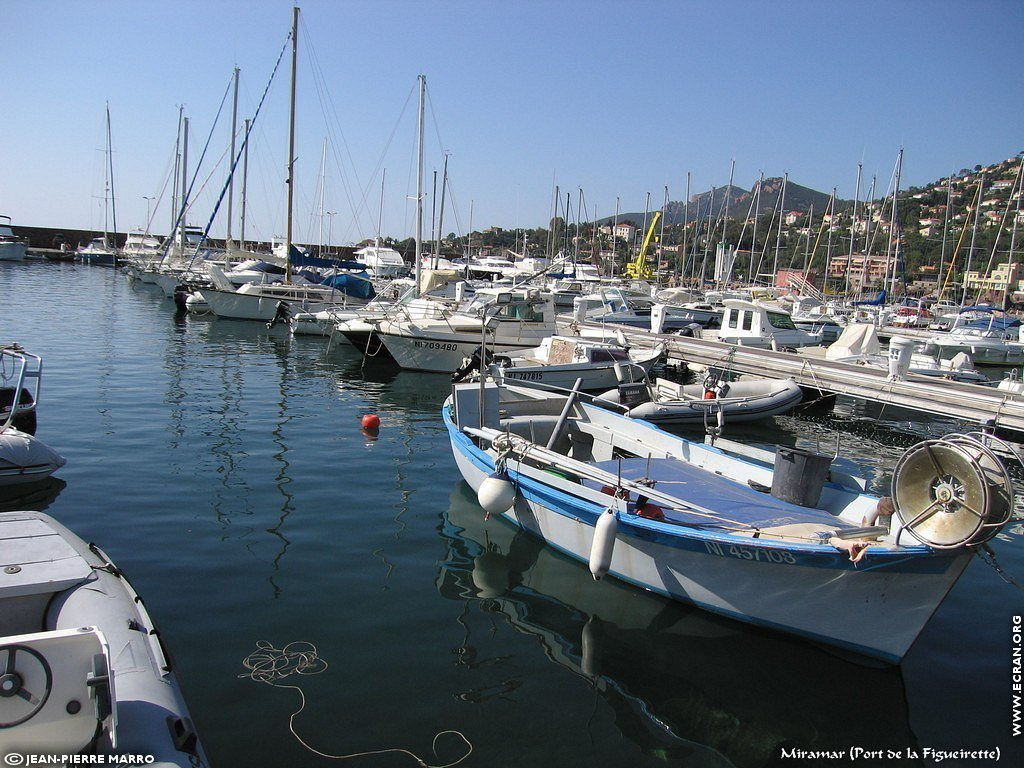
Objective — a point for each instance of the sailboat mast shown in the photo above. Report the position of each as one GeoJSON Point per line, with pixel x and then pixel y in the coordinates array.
{"type": "Point", "coordinates": [615, 235]}
{"type": "Point", "coordinates": [853, 230]}
{"type": "Point", "coordinates": [291, 148]}
{"type": "Point", "coordinates": [945, 229]}
{"type": "Point", "coordinates": [661, 233]}
{"type": "Point", "coordinates": [231, 180]}
{"type": "Point", "coordinates": [778, 234]}
{"type": "Point", "coordinates": [419, 185]}
{"type": "Point", "coordinates": [110, 171]}
{"type": "Point", "coordinates": [245, 184]}
{"type": "Point", "coordinates": [323, 184]}
{"type": "Point", "coordinates": [184, 188]}
{"type": "Point", "coordinates": [893, 249]}
{"type": "Point", "coordinates": [174, 176]}
{"type": "Point", "coordinates": [440, 212]}
{"type": "Point", "coordinates": [751, 274]}
{"type": "Point", "coordinates": [686, 226]}
{"type": "Point", "coordinates": [380, 208]}
{"type": "Point", "coordinates": [974, 236]}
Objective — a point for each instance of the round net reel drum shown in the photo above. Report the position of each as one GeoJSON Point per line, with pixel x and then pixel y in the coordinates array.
{"type": "Point", "coordinates": [952, 491]}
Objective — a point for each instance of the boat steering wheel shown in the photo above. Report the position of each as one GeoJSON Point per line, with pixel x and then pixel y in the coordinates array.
{"type": "Point", "coordinates": [25, 684]}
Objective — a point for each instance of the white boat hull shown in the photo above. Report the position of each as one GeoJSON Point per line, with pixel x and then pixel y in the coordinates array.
{"type": "Point", "coordinates": [875, 607]}
{"type": "Point", "coordinates": [242, 306]}
{"type": "Point", "coordinates": [12, 251]}
{"type": "Point", "coordinates": [25, 458]}
{"type": "Point", "coordinates": [446, 353]}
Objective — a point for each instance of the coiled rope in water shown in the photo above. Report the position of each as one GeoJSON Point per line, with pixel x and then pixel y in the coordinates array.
{"type": "Point", "coordinates": [270, 665]}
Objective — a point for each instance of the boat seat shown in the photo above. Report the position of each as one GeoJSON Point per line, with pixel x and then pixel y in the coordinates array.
{"type": "Point", "coordinates": [55, 688]}
{"type": "Point", "coordinates": [35, 559]}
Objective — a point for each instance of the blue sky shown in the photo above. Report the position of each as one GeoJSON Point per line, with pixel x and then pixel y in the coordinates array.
{"type": "Point", "coordinates": [619, 99]}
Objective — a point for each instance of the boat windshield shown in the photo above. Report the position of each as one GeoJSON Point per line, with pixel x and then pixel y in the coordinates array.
{"type": "Point", "coordinates": [781, 320]}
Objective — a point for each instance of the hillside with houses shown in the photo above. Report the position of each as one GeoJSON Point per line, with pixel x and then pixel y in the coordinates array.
{"type": "Point", "coordinates": [959, 234]}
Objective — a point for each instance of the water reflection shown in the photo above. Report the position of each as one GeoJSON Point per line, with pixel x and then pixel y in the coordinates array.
{"type": "Point", "coordinates": [35, 496]}
{"type": "Point", "coordinates": [682, 684]}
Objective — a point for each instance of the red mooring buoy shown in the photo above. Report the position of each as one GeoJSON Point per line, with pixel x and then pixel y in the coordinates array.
{"type": "Point", "coordinates": [371, 421]}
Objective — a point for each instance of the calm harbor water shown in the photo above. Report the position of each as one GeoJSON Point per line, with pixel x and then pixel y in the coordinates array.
{"type": "Point", "coordinates": [223, 467]}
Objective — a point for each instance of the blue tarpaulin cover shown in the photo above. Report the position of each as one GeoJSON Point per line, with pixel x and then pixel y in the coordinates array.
{"type": "Point", "coordinates": [702, 488]}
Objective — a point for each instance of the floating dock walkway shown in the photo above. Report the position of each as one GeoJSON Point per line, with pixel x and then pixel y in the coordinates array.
{"type": "Point", "coordinates": [980, 405]}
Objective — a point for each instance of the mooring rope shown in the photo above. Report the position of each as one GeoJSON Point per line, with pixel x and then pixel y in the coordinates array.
{"type": "Point", "coordinates": [270, 665]}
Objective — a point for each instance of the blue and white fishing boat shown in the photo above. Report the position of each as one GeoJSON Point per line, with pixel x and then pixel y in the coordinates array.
{"type": "Point", "coordinates": [779, 540]}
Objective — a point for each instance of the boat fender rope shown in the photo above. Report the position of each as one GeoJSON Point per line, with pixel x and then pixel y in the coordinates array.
{"type": "Point", "coordinates": [270, 665]}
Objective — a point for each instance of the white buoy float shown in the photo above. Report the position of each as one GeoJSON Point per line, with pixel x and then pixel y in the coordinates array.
{"type": "Point", "coordinates": [496, 493]}
{"type": "Point", "coordinates": [604, 542]}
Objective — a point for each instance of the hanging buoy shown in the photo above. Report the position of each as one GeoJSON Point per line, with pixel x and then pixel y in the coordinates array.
{"type": "Point", "coordinates": [371, 421]}
{"type": "Point", "coordinates": [709, 394]}
{"type": "Point", "coordinates": [604, 542]}
{"type": "Point", "coordinates": [496, 493]}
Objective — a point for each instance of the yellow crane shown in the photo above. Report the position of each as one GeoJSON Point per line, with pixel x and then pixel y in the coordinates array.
{"type": "Point", "coordinates": [638, 269]}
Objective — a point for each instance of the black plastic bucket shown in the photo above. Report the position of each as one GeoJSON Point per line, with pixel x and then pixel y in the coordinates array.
{"type": "Point", "coordinates": [799, 475]}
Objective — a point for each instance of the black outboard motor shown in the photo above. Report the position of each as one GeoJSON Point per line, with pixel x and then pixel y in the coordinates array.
{"type": "Point", "coordinates": [283, 314]}
{"type": "Point", "coordinates": [472, 364]}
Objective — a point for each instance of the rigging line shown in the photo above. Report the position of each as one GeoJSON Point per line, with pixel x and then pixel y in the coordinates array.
{"type": "Point", "coordinates": [356, 193]}
{"type": "Point", "coordinates": [380, 161]}
{"type": "Point", "coordinates": [1002, 223]}
{"type": "Point", "coordinates": [241, 149]}
{"type": "Point", "coordinates": [956, 250]}
{"type": "Point", "coordinates": [387, 146]}
{"type": "Point", "coordinates": [334, 131]}
{"type": "Point", "coordinates": [187, 195]}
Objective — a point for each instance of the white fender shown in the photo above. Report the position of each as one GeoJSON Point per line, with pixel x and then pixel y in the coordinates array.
{"type": "Point", "coordinates": [496, 494]}
{"type": "Point", "coordinates": [604, 542]}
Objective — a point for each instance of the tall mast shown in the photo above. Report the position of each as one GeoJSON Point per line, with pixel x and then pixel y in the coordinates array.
{"type": "Point", "coordinates": [725, 203]}
{"type": "Point", "coordinates": [245, 183]}
{"type": "Point", "coordinates": [440, 212]}
{"type": "Point", "coordinates": [184, 188]}
{"type": "Point", "coordinates": [661, 234]}
{"type": "Point", "coordinates": [323, 184]}
{"type": "Point", "coordinates": [291, 149]}
{"type": "Point", "coordinates": [177, 164]}
{"type": "Point", "coordinates": [778, 236]}
{"type": "Point", "coordinates": [110, 170]}
{"type": "Point", "coordinates": [231, 180]}
{"type": "Point", "coordinates": [751, 274]}
{"type": "Point", "coordinates": [893, 233]}
{"type": "Point", "coordinates": [686, 224]}
{"type": "Point", "coordinates": [380, 209]}
{"type": "Point", "coordinates": [419, 184]}
{"type": "Point", "coordinates": [945, 228]}
{"type": "Point", "coordinates": [853, 230]}
{"type": "Point", "coordinates": [615, 229]}
{"type": "Point", "coordinates": [974, 234]}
